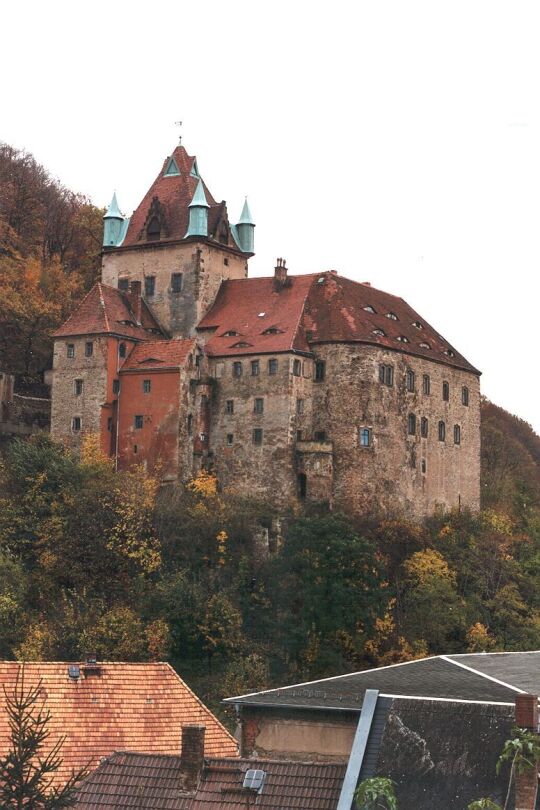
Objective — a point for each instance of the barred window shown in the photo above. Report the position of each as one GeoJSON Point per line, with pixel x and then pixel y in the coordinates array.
{"type": "Point", "coordinates": [147, 386]}
{"type": "Point", "coordinates": [138, 422]}
{"type": "Point", "coordinates": [78, 387]}
{"type": "Point", "coordinates": [229, 407]}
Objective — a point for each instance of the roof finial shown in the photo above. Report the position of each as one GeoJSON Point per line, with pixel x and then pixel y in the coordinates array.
{"type": "Point", "coordinates": [179, 124]}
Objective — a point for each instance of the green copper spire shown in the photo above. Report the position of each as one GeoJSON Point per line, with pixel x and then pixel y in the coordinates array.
{"type": "Point", "coordinates": [198, 213]}
{"type": "Point", "coordinates": [114, 210]}
{"type": "Point", "coordinates": [245, 229]}
{"type": "Point", "coordinates": [114, 225]}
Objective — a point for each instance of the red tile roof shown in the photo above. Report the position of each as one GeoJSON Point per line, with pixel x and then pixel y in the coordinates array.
{"type": "Point", "coordinates": [127, 707]}
{"type": "Point", "coordinates": [159, 354]}
{"type": "Point", "coordinates": [105, 310]}
{"type": "Point", "coordinates": [174, 193]}
{"type": "Point", "coordinates": [142, 780]}
{"type": "Point", "coordinates": [318, 308]}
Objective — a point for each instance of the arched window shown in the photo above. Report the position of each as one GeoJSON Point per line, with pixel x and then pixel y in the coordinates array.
{"type": "Point", "coordinates": [410, 379]}
{"type": "Point", "coordinates": [153, 231]}
{"type": "Point", "coordinates": [412, 424]}
{"type": "Point", "coordinates": [457, 434]}
{"type": "Point", "coordinates": [442, 431]}
{"type": "Point", "coordinates": [424, 427]}
{"type": "Point", "coordinates": [445, 391]}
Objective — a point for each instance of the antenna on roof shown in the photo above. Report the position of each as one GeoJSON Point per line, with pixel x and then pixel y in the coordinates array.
{"type": "Point", "coordinates": [179, 124]}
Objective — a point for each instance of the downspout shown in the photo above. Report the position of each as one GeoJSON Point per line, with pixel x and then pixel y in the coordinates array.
{"type": "Point", "coordinates": [358, 750]}
{"type": "Point", "coordinates": [117, 409]}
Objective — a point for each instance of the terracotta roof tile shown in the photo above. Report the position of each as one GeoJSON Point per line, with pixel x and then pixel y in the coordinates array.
{"type": "Point", "coordinates": [136, 780]}
{"type": "Point", "coordinates": [126, 707]}
{"type": "Point", "coordinates": [105, 310]}
{"type": "Point", "coordinates": [159, 354]}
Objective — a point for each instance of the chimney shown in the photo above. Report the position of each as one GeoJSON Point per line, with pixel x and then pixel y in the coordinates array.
{"type": "Point", "coordinates": [280, 274]}
{"type": "Point", "coordinates": [527, 782]}
{"type": "Point", "coordinates": [192, 755]}
{"type": "Point", "coordinates": [134, 298]}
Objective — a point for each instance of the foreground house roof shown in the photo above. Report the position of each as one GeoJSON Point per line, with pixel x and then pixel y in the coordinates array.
{"type": "Point", "coordinates": [106, 311]}
{"type": "Point", "coordinates": [261, 315]}
{"type": "Point", "coordinates": [114, 706]}
{"type": "Point", "coordinates": [477, 678]}
{"type": "Point", "coordinates": [144, 780]}
{"type": "Point", "coordinates": [159, 355]}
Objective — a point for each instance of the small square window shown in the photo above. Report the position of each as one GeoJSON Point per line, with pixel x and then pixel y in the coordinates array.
{"type": "Point", "coordinates": [71, 350]}
{"type": "Point", "coordinates": [123, 284]}
{"type": "Point", "coordinates": [257, 436]}
{"type": "Point", "coordinates": [147, 386]}
{"type": "Point", "coordinates": [365, 437]}
{"type": "Point", "coordinates": [255, 368]}
{"type": "Point", "coordinates": [299, 406]}
{"type": "Point", "coordinates": [445, 391]}
{"type": "Point", "coordinates": [297, 368]}
{"type": "Point", "coordinates": [88, 349]}
{"type": "Point", "coordinates": [78, 387]}
{"type": "Point", "coordinates": [138, 422]}
{"type": "Point", "coordinates": [230, 439]}
{"type": "Point", "coordinates": [272, 366]}
{"type": "Point", "coordinates": [237, 369]}
{"type": "Point", "coordinates": [229, 406]}
{"type": "Point", "coordinates": [76, 424]}
{"type": "Point", "coordinates": [177, 280]}
{"type": "Point", "coordinates": [258, 405]}
{"type": "Point", "coordinates": [319, 370]}
{"type": "Point", "coordinates": [116, 387]}
{"type": "Point", "coordinates": [149, 285]}
{"type": "Point", "coordinates": [319, 436]}
{"type": "Point", "coordinates": [426, 384]}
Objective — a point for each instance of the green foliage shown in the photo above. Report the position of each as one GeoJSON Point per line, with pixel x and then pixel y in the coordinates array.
{"type": "Point", "coordinates": [26, 771]}
{"type": "Point", "coordinates": [483, 804]}
{"type": "Point", "coordinates": [522, 750]}
{"type": "Point", "coordinates": [376, 793]}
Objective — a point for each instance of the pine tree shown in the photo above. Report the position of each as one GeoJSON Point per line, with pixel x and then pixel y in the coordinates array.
{"type": "Point", "coordinates": [26, 773]}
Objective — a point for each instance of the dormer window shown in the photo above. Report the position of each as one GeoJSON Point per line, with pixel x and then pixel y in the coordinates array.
{"type": "Point", "coordinates": [153, 231]}
{"type": "Point", "coordinates": [402, 339]}
{"type": "Point", "coordinates": [230, 333]}
{"type": "Point", "coordinates": [241, 345]}
{"type": "Point", "coordinates": [418, 325]}
{"type": "Point", "coordinates": [379, 332]}
{"type": "Point", "coordinates": [392, 316]}
{"type": "Point", "coordinates": [450, 353]}
{"type": "Point", "coordinates": [370, 309]}
{"type": "Point", "coordinates": [425, 346]}
{"type": "Point", "coordinates": [273, 330]}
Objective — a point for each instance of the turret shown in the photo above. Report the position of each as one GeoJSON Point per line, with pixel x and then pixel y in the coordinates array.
{"type": "Point", "coordinates": [114, 225]}
{"type": "Point", "coordinates": [198, 213]}
{"type": "Point", "coordinates": [246, 230]}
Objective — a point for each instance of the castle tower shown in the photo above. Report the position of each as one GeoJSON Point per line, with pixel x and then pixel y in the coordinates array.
{"type": "Point", "coordinates": [178, 244]}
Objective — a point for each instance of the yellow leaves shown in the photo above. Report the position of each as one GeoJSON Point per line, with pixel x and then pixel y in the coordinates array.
{"type": "Point", "coordinates": [205, 484]}
{"type": "Point", "coordinates": [91, 452]}
{"type": "Point", "coordinates": [425, 566]}
{"type": "Point", "coordinates": [158, 639]}
{"type": "Point", "coordinates": [479, 639]}
{"type": "Point", "coordinates": [38, 645]}
{"type": "Point", "coordinates": [221, 540]}
{"type": "Point", "coordinates": [498, 522]}
{"type": "Point", "coordinates": [132, 533]}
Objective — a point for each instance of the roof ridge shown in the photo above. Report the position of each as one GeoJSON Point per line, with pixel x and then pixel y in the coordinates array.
{"type": "Point", "coordinates": [102, 302]}
{"type": "Point", "coordinates": [483, 674]}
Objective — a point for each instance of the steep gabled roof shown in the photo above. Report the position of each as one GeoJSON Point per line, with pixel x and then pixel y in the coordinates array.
{"type": "Point", "coordinates": [125, 706]}
{"type": "Point", "coordinates": [174, 193]}
{"type": "Point", "coordinates": [159, 355]}
{"type": "Point", "coordinates": [106, 311]}
{"type": "Point", "coordinates": [143, 780]}
{"type": "Point", "coordinates": [482, 678]}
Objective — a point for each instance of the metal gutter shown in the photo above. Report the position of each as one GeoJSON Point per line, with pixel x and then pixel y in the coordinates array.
{"type": "Point", "coordinates": [358, 750]}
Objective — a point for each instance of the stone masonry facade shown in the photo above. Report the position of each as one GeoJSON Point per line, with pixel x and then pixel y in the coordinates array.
{"type": "Point", "coordinates": [297, 389]}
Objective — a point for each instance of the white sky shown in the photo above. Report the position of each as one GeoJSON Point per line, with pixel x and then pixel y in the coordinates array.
{"type": "Point", "coordinates": [397, 142]}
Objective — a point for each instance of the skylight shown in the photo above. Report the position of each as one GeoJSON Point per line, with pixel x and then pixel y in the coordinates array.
{"type": "Point", "coordinates": [254, 780]}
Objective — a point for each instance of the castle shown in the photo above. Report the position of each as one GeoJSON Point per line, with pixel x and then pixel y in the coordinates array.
{"type": "Point", "coordinates": [310, 387]}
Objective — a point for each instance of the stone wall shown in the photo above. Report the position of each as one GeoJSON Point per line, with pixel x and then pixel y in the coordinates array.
{"type": "Point", "coordinates": [22, 414]}
{"type": "Point", "coordinates": [203, 267]}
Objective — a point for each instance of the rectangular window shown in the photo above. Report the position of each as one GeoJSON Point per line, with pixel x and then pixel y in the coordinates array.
{"type": "Point", "coordinates": [71, 350]}
{"type": "Point", "coordinates": [176, 282]}
{"type": "Point", "coordinates": [76, 424]}
{"type": "Point", "coordinates": [230, 439]}
{"type": "Point", "coordinates": [255, 368]}
{"type": "Point", "coordinates": [272, 366]}
{"type": "Point", "coordinates": [258, 405]}
{"type": "Point", "coordinates": [442, 431]}
{"type": "Point", "coordinates": [445, 391]}
{"type": "Point", "coordinates": [138, 422]}
{"type": "Point", "coordinates": [297, 368]}
{"type": "Point", "coordinates": [424, 465]}
{"type": "Point", "coordinates": [109, 423]}
{"type": "Point", "coordinates": [410, 379]}
{"type": "Point", "coordinates": [116, 386]}
{"type": "Point", "coordinates": [319, 436]}
{"type": "Point", "coordinates": [88, 349]}
{"type": "Point", "coordinates": [424, 426]}
{"type": "Point", "coordinates": [135, 448]}
{"type": "Point", "coordinates": [386, 375]}
{"type": "Point", "coordinates": [149, 285]}
{"type": "Point", "coordinates": [426, 384]}
{"type": "Point", "coordinates": [457, 434]}
{"type": "Point", "coordinates": [411, 424]}
{"type": "Point", "coordinates": [123, 284]}
{"type": "Point", "coordinates": [78, 387]}
{"type": "Point", "coordinates": [146, 386]}
{"type": "Point", "coordinates": [365, 437]}
{"type": "Point", "coordinates": [464, 395]}
{"type": "Point", "coordinates": [298, 435]}
{"type": "Point", "coordinates": [319, 370]}
{"type": "Point", "coordinates": [237, 369]}
{"type": "Point", "coordinates": [257, 436]}
{"type": "Point", "coordinates": [229, 406]}
{"type": "Point", "coordinates": [299, 406]}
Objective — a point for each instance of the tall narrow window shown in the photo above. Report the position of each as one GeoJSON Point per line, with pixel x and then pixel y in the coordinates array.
{"type": "Point", "coordinates": [426, 384]}
{"type": "Point", "coordinates": [138, 422]}
{"type": "Point", "coordinates": [258, 405]}
{"type": "Point", "coordinates": [230, 439]}
{"type": "Point", "coordinates": [299, 406]}
{"type": "Point", "coordinates": [272, 366]}
{"type": "Point", "coordinates": [365, 437]}
{"type": "Point", "coordinates": [78, 387]}
{"type": "Point", "coordinates": [319, 370]}
{"type": "Point", "coordinates": [442, 431]}
{"type": "Point", "coordinates": [121, 350]}
{"type": "Point", "coordinates": [70, 351]}
{"type": "Point", "coordinates": [190, 424]}
{"type": "Point", "coordinates": [237, 369]}
{"type": "Point", "coordinates": [424, 465]}
{"type": "Point", "coordinates": [88, 349]}
{"type": "Point", "coordinates": [297, 368]}
{"type": "Point", "coordinates": [424, 427]}
{"type": "Point", "coordinates": [229, 407]}
{"type": "Point", "coordinates": [255, 368]}
{"type": "Point", "coordinates": [411, 424]}
{"type": "Point", "coordinates": [146, 386]}
{"type": "Point", "coordinates": [409, 379]}
{"type": "Point", "coordinates": [257, 436]}
{"type": "Point", "coordinates": [153, 230]}
{"type": "Point", "coordinates": [445, 391]}
{"type": "Point", "coordinates": [76, 424]}
{"type": "Point", "coordinates": [149, 285]}
{"type": "Point", "coordinates": [465, 395]}
{"type": "Point", "coordinates": [176, 282]}
{"type": "Point", "coordinates": [116, 386]}
{"type": "Point", "coordinates": [457, 434]}
{"type": "Point", "coordinates": [302, 485]}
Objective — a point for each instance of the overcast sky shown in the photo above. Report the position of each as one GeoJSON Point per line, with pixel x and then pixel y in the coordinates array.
{"type": "Point", "coordinates": [397, 142]}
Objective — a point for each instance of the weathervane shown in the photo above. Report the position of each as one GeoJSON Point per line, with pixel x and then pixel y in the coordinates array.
{"type": "Point", "coordinates": [179, 124]}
